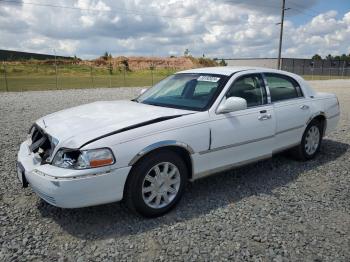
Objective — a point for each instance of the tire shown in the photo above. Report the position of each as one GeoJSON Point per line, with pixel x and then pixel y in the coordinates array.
{"type": "Point", "coordinates": [310, 142]}
{"type": "Point", "coordinates": [156, 183]}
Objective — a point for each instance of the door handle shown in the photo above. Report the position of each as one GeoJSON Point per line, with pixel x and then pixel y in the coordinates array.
{"type": "Point", "coordinates": [265, 117]}
{"type": "Point", "coordinates": [304, 107]}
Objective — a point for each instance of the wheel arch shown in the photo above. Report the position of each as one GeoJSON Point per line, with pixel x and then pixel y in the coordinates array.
{"type": "Point", "coordinates": [321, 117]}
{"type": "Point", "coordinates": [182, 149]}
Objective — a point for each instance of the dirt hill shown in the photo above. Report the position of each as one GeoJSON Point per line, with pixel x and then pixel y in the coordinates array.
{"type": "Point", "coordinates": [135, 63]}
{"type": "Point", "coordinates": [132, 63]}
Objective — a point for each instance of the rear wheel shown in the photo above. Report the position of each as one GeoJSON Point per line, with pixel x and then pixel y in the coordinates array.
{"type": "Point", "coordinates": [311, 142]}
{"type": "Point", "coordinates": [156, 183]}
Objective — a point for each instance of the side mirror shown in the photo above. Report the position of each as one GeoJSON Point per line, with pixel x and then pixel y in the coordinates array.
{"type": "Point", "coordinates": [232, 104]}
{"type": "Point", "coordinates": [142, 91]}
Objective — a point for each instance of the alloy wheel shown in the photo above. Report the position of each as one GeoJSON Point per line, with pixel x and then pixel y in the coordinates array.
{"type": "Point", "coordinates": [312, 140]}
{"type": "Point", "coordinates": [161, 185]}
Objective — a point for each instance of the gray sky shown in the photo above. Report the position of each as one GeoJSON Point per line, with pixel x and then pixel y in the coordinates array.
{"type": "Point", "coordinates": [231, 28]}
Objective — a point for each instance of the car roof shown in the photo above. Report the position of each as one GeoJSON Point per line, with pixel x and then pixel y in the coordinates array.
{"type": "Point", "coordinates": [228, 70]}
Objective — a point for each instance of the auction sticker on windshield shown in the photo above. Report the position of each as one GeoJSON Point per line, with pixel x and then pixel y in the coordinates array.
{"type": "Point", "coordinates": [208, 78]}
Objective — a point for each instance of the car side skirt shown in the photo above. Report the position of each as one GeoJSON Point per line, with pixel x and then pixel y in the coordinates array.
{"type": "Point", "coordinates": [230, 166]}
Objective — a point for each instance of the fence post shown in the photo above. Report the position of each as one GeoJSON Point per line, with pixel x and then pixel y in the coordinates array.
{"type": "Point", "coordinates": [342, 74]}
{"type": "Point", "coordinates": [152, 67]}
{"type": "Point", "coordinates": [110, 80]}
{"type": "Point", "coordinates": [92, 77]}
{"type": "Point", "coordinates": [56, 75]}
{"type": "Point", "coordinates": [152, 77]}
{"type": "Point", "coordinates": [110, 69]}
{"type": "Point", "coordinates": [5, 75]}
{"type": "Point", "coordinates": [124, 75]}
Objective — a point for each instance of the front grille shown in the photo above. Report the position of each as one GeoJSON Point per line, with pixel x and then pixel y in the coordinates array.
{"type": "Point", "coordinates": [41, 143]}
{"type": "Point", "coordinates": [49, 199]}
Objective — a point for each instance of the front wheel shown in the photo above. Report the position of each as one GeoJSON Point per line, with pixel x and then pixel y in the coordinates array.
{"type": "Point", "coordinates": [156, 183]}
{"type": "Point", "coordinates": [310, 142]}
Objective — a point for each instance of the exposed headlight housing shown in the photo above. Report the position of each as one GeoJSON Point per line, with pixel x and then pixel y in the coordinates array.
{"type": "Point", "coordinates": [82, 159]}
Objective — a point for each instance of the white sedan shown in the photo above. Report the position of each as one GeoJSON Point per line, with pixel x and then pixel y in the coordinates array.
{"type": "Point", "coordinates": [192, 124]}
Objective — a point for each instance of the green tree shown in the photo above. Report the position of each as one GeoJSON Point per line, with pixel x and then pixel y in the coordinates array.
{"type": "Point", "coordinates": [125, 64]}
{"type": "Point", "coordinates": [316, 57]}
{"type": "Point", "coordinates": [106, 56]}
{"type": "Point", "coordinates": [223, 62]}
{"type": "Point", "coordinates": [329, 57]}
{"type": "Point", "coordinates": [345, 57]}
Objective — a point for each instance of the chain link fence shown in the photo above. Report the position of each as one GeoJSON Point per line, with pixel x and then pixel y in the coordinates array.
{"type": "Point", "coordinates": [320, 73]}
{"type": "Point", "coordinates": [25, 77]}
{"type": "Point", "coordinates": [34, 76]}
{"type": "Point", "coordinates": [317, 69]}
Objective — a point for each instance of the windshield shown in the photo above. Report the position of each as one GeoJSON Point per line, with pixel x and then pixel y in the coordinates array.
{"type": "Point", "coordinates": [184, 91]}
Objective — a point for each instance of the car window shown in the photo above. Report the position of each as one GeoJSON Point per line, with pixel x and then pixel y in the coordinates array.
{"type": "Point", "coordinates": [282, 87]}
{"type": "Point", "coordinates": [251, 88]}
{"type": "Point", "coordinates": [194, 91]}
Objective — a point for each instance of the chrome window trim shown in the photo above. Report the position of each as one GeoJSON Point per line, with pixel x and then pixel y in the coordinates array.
{"type": "Point", "coordinates": [266, 88]}
{"type": "Point", "coordinates": [287, 76]}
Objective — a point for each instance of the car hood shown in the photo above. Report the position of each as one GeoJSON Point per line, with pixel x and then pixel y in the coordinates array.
{"type": "Point", "coordinates": [78, 125]}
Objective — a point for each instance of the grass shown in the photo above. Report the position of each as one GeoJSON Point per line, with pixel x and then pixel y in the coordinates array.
{"type": "Point", "coordinates": [43, 77]}
{"type": "Point", "coordinates": [25, 77]}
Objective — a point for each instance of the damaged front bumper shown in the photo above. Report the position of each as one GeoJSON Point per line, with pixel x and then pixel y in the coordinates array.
{"type": "Point", "coordinates": [68, 188]}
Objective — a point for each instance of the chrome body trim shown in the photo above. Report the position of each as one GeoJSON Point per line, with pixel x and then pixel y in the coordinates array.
{"type": "Point", "coordinates": [289, 129]}
{"type": "Point", "coordinates": [234, 145]}
{"type": "Point", "coordinates": [160, 145]}
{"type": "Point", "coordinates": [249, 141]}
{"type": "Point", "coordinates": [40, 173]}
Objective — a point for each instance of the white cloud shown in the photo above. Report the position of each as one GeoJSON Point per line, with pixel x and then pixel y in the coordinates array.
{"type": "Point", "coordinates": [236, 28]}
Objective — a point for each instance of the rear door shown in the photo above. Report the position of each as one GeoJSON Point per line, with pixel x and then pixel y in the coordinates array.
{"type": "Point", "coordinates": [291, 108]}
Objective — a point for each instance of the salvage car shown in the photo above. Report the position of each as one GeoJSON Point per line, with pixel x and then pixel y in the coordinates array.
{"type": "Point", "coordinates": [190, 125]}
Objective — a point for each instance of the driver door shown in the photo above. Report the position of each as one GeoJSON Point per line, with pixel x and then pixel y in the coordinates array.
{"type": "Point", "coordinates": [244, 135]}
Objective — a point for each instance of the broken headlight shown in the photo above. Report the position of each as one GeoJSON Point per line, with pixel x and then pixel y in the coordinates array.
{"type": "Point", "coordinates": [82, 159]}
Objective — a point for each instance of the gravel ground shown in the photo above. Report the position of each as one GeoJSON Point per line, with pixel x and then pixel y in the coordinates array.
{"type": "Point", "coordinates": [275, 210]}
